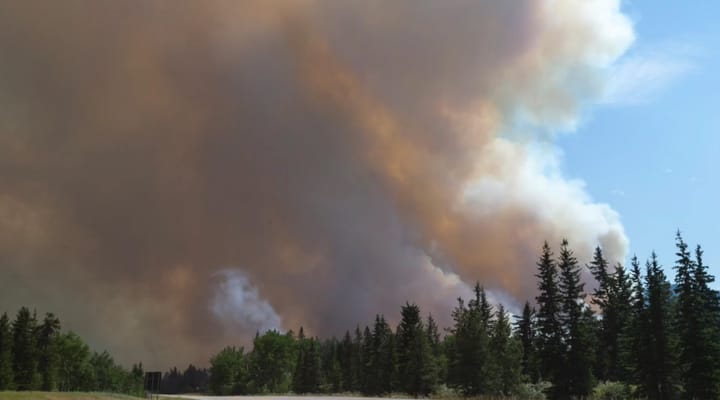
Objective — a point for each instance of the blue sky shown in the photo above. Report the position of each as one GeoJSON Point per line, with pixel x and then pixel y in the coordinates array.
{"type": "Point", "coordinates": [652, 149]}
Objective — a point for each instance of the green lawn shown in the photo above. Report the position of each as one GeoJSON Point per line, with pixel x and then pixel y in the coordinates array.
{"type": "Point", "coordinates": [63, 396]}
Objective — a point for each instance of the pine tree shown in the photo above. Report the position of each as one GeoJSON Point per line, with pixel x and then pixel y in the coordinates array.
{"type": "Point", "coordinates": [24, 350]}
{"type": "Point", "coordinates": [505, 361]}
{"type": "Point", "coordinates": [620, 311]}
{"type": "Point", "coordinates": [6, 355]}
{"type": "Point", "coordinates": [697, 316]}
{"type": "Point", "coordinates": [383, 358]}
{"type": "Point", "coordinates": [525, 333]}
{"type": "Point", "coordinates": [468, 350]}
{"type": "Point", "coordinates": [47, 361]}
{"type": "Point", "coordinates": [413, 353]}
{"type": "Point", "coordinates": [439, 361]}
{"type": "Point", "coordinates": [633, 340]}
{"type": "Point", "coordinates": [661, 369]}
{"type": "Point", "coordinates": [550, 335]}
{"type": "Point", "coordinates": [368, 377]}
{"type": "Point", "coordinates": [576, 379]}
{"type": "Point", "coordinates": [601, 298]}
{"type": "Point", "coordinates": [299, 374]}
{"type": "Point", "coordinates": [346, 362]}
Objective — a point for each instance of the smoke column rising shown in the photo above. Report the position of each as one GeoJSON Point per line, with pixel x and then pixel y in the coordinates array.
{"type": "Point", "coordinates": [349, 156]}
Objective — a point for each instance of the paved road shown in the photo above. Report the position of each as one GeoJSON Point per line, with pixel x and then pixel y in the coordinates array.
{"type": "Point", "coordinates": [196, 397]}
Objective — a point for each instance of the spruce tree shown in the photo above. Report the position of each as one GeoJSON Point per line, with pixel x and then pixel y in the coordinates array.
{"type": "Point", "coordinates": [619, 309]}
{"type": "Point", "coordinates": [697, 321]}
{"type": "Point", "coordinates": [505, 361]}
{"type": "Point", "coordinates": [633, 340]}
{"type": "Point", "coordinates": [550, 335]}
{"type": "Point", "coordinates": [24, 350]}
{"type": "Point", "coordinates": [525, 332]}
{"type": "Point", "coordinates": [608, 330]}
{"type": "Point", "coordinates": [576, 379]}
{"type": "Point", "coordinates": [346, 362]}
{"type": "Point", "coordinates": [468, 353]}
{"type": "Point", "coordinates": [299, 374]}
{"type": "Point", "coordinates": [414, 370]}
{"type": "Point", "coordinates": [6, 355]}
{"type": "Point", "coordinates": [48, 358]}
{"type": "Point", "coordinates": [661, 367]}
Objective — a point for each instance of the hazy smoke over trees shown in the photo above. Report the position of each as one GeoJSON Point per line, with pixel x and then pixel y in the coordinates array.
{"type": "Point", "coordinates": [314, 161]}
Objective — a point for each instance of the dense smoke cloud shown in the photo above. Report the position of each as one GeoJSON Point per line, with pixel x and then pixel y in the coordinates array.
{"type": "Point", "coordinates": [345, 156]}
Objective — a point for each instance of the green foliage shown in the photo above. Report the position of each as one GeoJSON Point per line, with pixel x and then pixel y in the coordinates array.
{"type": "Point", "coordinates": [228, 372]}
{"type": "Point", "coordinates": [25, 350]}
{"type": "Point", "coordinates": [416, 375]}
{"type": "Point", "coordinates": [526, 335]}
{"type": "Point", "coordinates": [74, 370]}
{"type": "Point", "coordinates": [272, 362]}
{"type": "Point", "coordinates": [6, 355]}
{"type": "Point", "coordinates": [611, 391]}
{"type": "Point", "coordinates": [575, 378]}
{"type": "Point", "coordinates": [533, 391]}
{"type": "Point", "coordinates": [47, 337]}
{"type": "Point", "coordinates": [549, 329]}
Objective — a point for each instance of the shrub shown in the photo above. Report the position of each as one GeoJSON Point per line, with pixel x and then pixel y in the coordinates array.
{"type": "Point", "coordinates": [611, 391]}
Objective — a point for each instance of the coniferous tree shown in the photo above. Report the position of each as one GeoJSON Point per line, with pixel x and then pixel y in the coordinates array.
{"type": "Point", "coordinates": [346, 362]}
{"type": "Point", "coordinates": [24, 351]}
{"type": "Point", "coordinates": [608, 330]}
{"type": "Point", "coordinates": [660, 369]}
{"type": "Point", "coordinates": [696, 319]}
{"type": "Point", "coordinates": [576, 379]}
{"type": "Point", "coordinates": [468, 351]}
{"type": "Point", "coordinates": [298, 384]}
{"type": "Point", "coordinates": [619, 309]}
{"type": "Point", "coordinates": [415, 374]}
{"type": "Point", "coordinates": [358, 361]}
{"type": "Point", "coordinates": [549, 328]}
{"type": "Point", "coordinates": [368, 377]}
{"type": "Point", "coordinates": [505, 361]}
{"type": "Point", "coordinates": [439, 360]}
{"type": "Point", "coordinates": [47, 361]}
{"type": "Point", "coordinates": [6, 355]}
{"type": "Point", "coordinates": [525, 332]}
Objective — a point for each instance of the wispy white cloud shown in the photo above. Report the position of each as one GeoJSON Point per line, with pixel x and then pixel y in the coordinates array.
{"type": "Point", "coordinates": [643, 74]}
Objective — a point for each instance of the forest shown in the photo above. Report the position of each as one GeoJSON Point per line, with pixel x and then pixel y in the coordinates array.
{"type": "Point", "coordinates": [637, 334]}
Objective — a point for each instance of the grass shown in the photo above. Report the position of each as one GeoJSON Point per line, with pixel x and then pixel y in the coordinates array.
{"type": "Point", "coordinates": [63, 396]}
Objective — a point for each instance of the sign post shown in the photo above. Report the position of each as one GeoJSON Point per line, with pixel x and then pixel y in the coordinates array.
{"type": "Point", "coordinates": [152, 384]}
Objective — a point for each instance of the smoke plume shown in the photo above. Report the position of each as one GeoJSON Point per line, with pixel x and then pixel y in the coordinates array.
{"type": "Point", "coordinates": [346, 156]}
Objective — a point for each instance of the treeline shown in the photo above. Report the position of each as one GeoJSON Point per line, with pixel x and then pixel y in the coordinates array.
{"type": "Point", "coordinates": [635, 336]}
{"type": "Point", "coordinates": [192, 380]}
{"type": "Point", "coordinates": [36, 355]}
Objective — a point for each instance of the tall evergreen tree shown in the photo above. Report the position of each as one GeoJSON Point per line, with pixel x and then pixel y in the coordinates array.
{"type": "Point", "coordinates": [24, 351]}
{"type": "Point", "coordinates": [346, 362]}
{"type": "Point", "coordinates": [505, 361]}
{"type": "Point", "coordinates": [525, 332]}
{"type": "Point", "coordinates": [576, 379]}
{"type": "Point", "coordinates": [47, 336]}
{"type": "Point", "coordinates": [468, 353]}
{"type": "Point", "coordinates": [413, 353]}
{"type": "Point", "coordinates": [550, 334]}
{"type": "Point", "coordinates": [660, 370]}
{"type": "Point", "coordinates": [619, 311]}
{"type": "Point", "coordinates": [6, 355]}
{"type": "Point", "coordinates": [608, 330]}
{"type": "Point", "coordinates": [697, 325]}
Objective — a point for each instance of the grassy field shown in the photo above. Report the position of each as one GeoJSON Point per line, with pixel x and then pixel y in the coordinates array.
{"type": "Point", "coordinates": [63, 396]}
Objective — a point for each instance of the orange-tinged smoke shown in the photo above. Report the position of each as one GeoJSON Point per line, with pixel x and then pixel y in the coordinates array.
{"type": "Point", "coordinates": [173, 178]}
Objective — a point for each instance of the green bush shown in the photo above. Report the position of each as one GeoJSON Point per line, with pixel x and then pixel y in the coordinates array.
{"type": "Point", "coordinates": [533, 391]}
{"type": "Point", "coordinates": [611, 391]}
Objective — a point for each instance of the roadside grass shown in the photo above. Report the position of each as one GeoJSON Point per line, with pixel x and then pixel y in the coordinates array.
{"type": "Point", "coordinates": [63, 396]}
